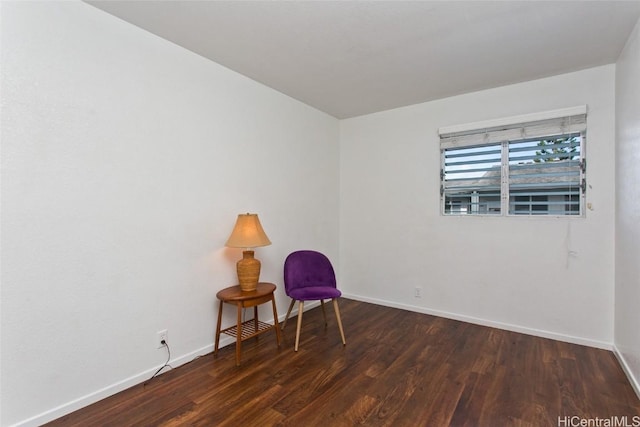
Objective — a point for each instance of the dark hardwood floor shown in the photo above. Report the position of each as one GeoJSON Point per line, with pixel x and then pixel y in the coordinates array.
{"type": "Point", "coordinates": [398, 368]}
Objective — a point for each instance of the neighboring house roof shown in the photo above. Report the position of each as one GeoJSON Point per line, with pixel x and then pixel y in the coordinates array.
{"type": "Point", "coordinates": [525, 176]}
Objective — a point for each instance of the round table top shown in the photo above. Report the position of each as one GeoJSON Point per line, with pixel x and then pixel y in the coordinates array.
{"type": "Point", "coordinates": [234, 293]}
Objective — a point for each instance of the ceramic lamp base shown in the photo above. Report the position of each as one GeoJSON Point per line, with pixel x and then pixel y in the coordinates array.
{"type": "Point", "coordinates": [248, 272]}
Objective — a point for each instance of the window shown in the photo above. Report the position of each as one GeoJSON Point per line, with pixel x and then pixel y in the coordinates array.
{"type": "Point", "coordinates": [471, 179]}
{"type": "Point", "coordinates": [516, 167]}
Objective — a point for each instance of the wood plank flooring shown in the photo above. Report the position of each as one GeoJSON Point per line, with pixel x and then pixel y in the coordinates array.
{"type": "Point", "coordinates": [398, 368]}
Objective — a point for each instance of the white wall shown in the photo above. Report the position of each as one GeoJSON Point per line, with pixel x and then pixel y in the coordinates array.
{"type": "Point", "coordinates": [627, 295]}
{"type": "Point", "coordinates": [514, 273]}
{"type": "Point", "coordinates": [124, 164]}
{"type": "Point", "coordinates": [125, 160]}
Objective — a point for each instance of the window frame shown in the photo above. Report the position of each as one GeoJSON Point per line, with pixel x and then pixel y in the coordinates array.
{"type": "Point", "coordinates": [472, 136]}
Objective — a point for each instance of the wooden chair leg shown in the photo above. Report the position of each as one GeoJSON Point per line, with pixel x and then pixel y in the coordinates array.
{"type": "Point", "coordinates": [324, 313]}
{"type": "Point", "coordinates": [300, 310]}
{"type": "Point", "coordinates": [288, 313]}
{"type": "Point", "coordinates": [335, 307]}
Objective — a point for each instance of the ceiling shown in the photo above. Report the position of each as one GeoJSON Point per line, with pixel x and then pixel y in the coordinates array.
{"type": "Point", "coordinates": [349, 58]}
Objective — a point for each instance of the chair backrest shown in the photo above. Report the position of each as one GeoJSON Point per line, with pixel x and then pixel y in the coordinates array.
{"type": "Point", "coordinates": [308, 268]}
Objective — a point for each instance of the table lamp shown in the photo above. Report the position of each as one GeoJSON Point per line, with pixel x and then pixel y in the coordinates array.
{"type": "Point", "coordinates": [248, 234]}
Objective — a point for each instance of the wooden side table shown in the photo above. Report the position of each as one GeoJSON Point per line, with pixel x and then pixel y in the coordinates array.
{"type": "Point", "coordinates": [250, 328]}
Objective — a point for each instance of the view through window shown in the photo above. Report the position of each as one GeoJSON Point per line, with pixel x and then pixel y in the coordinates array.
{"type": "Point", "coordinates": [540, 175]}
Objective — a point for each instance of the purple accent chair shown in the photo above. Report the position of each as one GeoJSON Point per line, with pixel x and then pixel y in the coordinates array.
{"type": "Point", "coordinates": [309, 276]}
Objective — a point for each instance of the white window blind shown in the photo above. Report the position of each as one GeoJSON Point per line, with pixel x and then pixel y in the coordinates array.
{"type": "Point", "coordinates": [515, 168]}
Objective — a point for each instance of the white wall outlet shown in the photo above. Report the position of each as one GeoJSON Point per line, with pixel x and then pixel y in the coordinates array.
{"type": "Point", "coordinates": [417, 292]}
{"type": "Point", "coordinates": [162, 335]}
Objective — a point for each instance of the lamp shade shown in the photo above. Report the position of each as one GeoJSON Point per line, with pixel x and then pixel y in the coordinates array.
{"type": "Point", "coordinates": [247, 233]}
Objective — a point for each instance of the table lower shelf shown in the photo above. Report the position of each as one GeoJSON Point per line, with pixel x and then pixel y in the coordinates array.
{"type": "Point", "coordinates": [248, 329]}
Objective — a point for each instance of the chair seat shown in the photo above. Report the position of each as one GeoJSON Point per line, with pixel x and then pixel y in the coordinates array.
{"type": "Point", "coordinates": [314, 293]}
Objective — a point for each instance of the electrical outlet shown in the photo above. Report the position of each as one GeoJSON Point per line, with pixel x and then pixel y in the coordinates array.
{"type": "Point", "coordinates": [162, 335]}
{"type": "Point", "coordinates": [417, 292]}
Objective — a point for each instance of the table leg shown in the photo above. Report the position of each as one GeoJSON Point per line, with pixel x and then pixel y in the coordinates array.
{"type": "Point", "coordinates": [275, 319]}
{"type": "Point", "coordinates": [239, 335]}
{"type": "Point", "coordinates": [215, 349]}
{"type": "Point", "coordinates": [255, 321]}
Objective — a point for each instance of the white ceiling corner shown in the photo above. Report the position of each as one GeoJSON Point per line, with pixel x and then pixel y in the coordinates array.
{"type": "Point", "coordinates": [349, 58]}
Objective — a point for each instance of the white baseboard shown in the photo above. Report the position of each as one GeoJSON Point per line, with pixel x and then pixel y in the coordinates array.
{"type": "Point", "coordinates": [627, 370]}
{"type": "Point", "coordinates": [119, 386]}
{"type": "Point", "coordinates": [485, 322]}
{"type": "Point", "coordinates": [112, 389]}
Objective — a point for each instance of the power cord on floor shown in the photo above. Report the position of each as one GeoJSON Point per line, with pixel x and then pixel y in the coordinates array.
{"type": "Point", "coordinates": [166, 364]}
